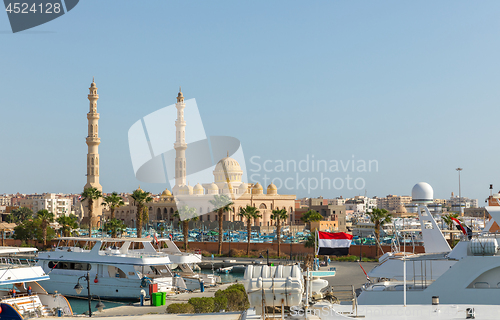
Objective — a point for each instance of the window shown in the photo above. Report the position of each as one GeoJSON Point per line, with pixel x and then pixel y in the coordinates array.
{"type": "Point", "coordinates": [69, 265]}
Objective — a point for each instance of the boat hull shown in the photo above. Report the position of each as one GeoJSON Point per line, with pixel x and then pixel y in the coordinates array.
{"type": "Point", "coordinates": [106, 288]}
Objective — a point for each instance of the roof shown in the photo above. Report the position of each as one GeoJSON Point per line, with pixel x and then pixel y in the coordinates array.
{"type": "Point", "coordinates": [7, 226]}
{"type": "Point", "coordinates": [9, 250]}
{"type": "Point", "coordinates": [111, 239]}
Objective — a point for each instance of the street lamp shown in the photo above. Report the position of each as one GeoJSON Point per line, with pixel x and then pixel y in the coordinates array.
{"type": "Point", "coordinates": [459, 191]}
{"type": "Point", "coordinates": [78, 288]}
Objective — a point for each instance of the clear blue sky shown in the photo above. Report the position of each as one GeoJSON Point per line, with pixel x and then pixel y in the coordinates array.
{"type": "Point", "coordinates": [411, 84]}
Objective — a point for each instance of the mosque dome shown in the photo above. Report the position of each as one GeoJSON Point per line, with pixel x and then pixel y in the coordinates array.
{"type": "Point", "coordinates": [401, 209]}
{"type": "Point", "coordinates": [227, 168]}
{"type": "Point", "coordinates": [139, 189]}
{"type": "Point", "coordinates": [271, 189]}
{"type": "Point", "coordinates": [422, 193]}
{"type": "Point", "coordinates": [185, 190]}
{"type": "Point", "coordinates": [212, 188]}
{"type": "Point", "coordinates": [257, 189]}
{"type": "Point", "coordinates": [166, 193]}
{"type": "Point", "coordinates": [243, 188]}
{"type": "Point", "coordinates": [198, 189]}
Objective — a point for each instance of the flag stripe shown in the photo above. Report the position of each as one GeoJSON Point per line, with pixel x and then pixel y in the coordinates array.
{"type": "Point", "coordinates": [459, 225]}
{"type": "Point", "coordinates": [333, 251]}
{"type": "Point", "coordinates": [333, 243]}
{"type": "Point", "coordinates": [336, 235]}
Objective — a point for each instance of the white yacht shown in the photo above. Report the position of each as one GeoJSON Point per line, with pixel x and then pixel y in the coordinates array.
{"type": "Point", "coordinates": [21, 296]}
{"type": "Point", "coordinates": [461, 284]}
{"type": "Point", "coordinates": [117, 268]}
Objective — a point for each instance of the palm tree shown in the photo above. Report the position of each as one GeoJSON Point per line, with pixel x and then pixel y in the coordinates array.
{"type": "Point", "coordinates": [91, 194]}
{"type": "Point", "coordinates": [311, 216]}
{"type": "Point", "coordinates": [67, 223]}
{"type": "Point", "coordinates": [379, 217]}
{"type": "Point", "coordinates": [249, 213]}
{"type": "Point", "coordinates": [45, 218]}
{"type": "Point", "coordinates": [114, 225]}
{"type": "Point", "coordinates": [279, 215]}
{"type": "Point", "coordinates": [447, 219]}
{"type": "Point", "coordinates": [113, 201]}
{"type": "Point", "coordinates": [222, 203]}
{"type": "Point", "coordinates": [19, 215]}
{"type": "Point", "coordinates": [141, 198]}
{"type": "Point", "coordinates": [186, 212]}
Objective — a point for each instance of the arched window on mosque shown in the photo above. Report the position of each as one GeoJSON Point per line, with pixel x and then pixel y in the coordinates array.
{"type": "Point", "coordinates": [262, 206]}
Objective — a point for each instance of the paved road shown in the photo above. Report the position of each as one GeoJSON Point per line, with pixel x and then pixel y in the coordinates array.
{"type": "Point", "coordinates": [349, 273]}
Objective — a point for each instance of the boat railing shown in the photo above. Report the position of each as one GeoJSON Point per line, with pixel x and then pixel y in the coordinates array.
{"type": "Point", "coordinates": [133, 254]}
{"type": "Point", "coordinates": [12, 262]}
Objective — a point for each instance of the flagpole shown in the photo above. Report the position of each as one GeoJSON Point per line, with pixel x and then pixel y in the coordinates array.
{"type": "Point", "coordinates": [315, 243]}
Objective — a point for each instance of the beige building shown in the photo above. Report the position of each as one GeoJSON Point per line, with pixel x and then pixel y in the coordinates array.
{"type": "Point", "coordinates": [163, 208]}
{"type": "Point", "coordinates": [392, 202]}
{"type": "Point", "coordinates": [227, 180]}
{"type": "Point", "coordinates": [5, 200]}
{"type": "Point", "coordinates": [55, 203]}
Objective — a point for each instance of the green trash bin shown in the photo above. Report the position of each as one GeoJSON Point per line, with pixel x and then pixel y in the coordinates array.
{"type": "Point", "coordinates": [163, 298]}
{"type": "Point", "coordinates": [156, 298]}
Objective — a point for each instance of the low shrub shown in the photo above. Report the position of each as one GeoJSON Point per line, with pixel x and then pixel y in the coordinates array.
{"type": "Point", "coordinates": [236, 253]}
{"type": "Point", "coordinates": [180, 308]}
{"type": "Point", "coordinates": [220, 303]}
{"type": "Point", "coordinates": [237, 298]}
{"type": "Point", "coordinates": [202, 305]}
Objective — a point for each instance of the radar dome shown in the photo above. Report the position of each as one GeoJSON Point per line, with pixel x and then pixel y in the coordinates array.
{"type": "Point", "coordinates": [422, 193]}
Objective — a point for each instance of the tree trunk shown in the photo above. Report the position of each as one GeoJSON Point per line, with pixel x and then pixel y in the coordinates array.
{"type": "Point", "coordinates": [91, 215]}
{"type": "Point", "coordinates": [249, 231]}
{"type": "Point", "coordinates": [139, 221]}
{"type": "Point", "coordinates": [44, 229]}
{"type": "Point", "coordinates": [185, 229]}
{"type": "Point", "coordinates": [221, 213]}
{"type": "Point", "coordinates": [112, 216]}
{"type": "Point", "coordinates": [278, 234]}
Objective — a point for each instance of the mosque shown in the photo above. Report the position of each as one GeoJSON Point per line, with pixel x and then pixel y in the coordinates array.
{"type": "Point", "coordinates": [227, 180]}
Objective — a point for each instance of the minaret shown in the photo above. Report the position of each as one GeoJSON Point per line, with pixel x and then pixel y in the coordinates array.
{"type": "Point", "coordinates": [180, 142]}
{"type": "Point", "coordinates": [93, 141]}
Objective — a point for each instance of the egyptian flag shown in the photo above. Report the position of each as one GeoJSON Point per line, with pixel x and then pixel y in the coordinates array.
{"type": "Point", "coordinates": [464, 228]}
{"type": "Point", "coordinates": [334, 243]}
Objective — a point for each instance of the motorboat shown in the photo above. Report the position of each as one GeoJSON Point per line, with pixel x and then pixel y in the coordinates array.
{"type": "Point", "coordinates": [116, 268]}
{"type": "Point", "coordinates": [225, 270]}
{"type": "Point", "coordinates": [21, 295]}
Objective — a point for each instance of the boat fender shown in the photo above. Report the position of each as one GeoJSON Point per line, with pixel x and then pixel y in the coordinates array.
{"type": "Point", "coordinates": [96, 280]}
